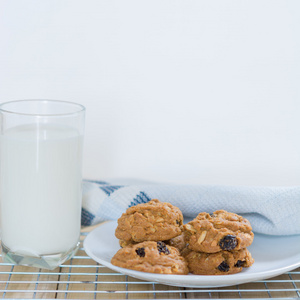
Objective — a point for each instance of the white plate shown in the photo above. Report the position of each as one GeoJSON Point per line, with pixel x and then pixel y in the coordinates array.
{"type": "Point", "coordinates": [273, 256]}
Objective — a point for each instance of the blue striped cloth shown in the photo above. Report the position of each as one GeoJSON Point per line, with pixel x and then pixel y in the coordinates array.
{"type": "Point", "coordinates": [271, 210]}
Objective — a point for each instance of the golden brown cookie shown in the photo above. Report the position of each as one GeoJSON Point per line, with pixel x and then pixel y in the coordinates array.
{"type": "Point", "coordinates": [177, 242]}
{"type": "Point", "coordinates": [220, 263]}
{"type": "Point", "coordinates": [152, 221]}
{"type": "Point", "coordinates": [125, 244]}
{"type": "Point", "coordinates": [153, 257]}
{"type": "Point", "coordinates": [220, 231]}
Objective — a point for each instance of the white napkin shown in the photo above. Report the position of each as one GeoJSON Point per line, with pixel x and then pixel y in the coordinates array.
{"type": "Point", "coordinates": [271, 210]}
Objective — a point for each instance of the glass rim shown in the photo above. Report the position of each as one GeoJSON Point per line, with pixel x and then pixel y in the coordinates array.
{"type": "Point", "coordinates": [81, 108]}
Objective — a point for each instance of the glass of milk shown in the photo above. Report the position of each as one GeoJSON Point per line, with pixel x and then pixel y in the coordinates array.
{"type": "Point", "coordinates": [40, 181]}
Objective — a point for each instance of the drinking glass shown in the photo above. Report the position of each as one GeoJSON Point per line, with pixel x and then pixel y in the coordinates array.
{"type": "Point", "coordinates": [41, 145]}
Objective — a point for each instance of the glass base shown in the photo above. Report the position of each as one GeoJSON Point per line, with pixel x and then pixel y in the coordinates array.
{"type": "Point", "coordinates": [49, 262]}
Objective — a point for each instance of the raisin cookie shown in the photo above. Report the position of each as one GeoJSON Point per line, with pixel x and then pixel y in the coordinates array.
{"type": "Point", "coordinates": [153, 257]}
{"type": "Point", "coordinates": [152, 221]}
{"type": "Point", "coordinates": [178, 242]}
{"type": "Point", "coordinates": [219, 231]}
{"type": "Point", "coordinates": [124, 244]}
{"type": "Point", "coordinates": [220, 263]}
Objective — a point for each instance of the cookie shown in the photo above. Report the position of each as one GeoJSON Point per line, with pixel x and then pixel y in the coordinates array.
{"type": "Point", "coordinates": [220, 231]}
{"type": "Point", "coordinates": [152, 221]}
{"type": "Point", "coordinates": [124, 244]}
{"type": "Point", "coordinates": [220, 263]}
{"type": "Point", "coordinates": [177, 242]}
{"type": "Point", "coordinates": [153, 257]}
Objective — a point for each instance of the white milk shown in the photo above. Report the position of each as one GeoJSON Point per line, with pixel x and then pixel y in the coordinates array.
{"type": "Point", "coordinates": [40, 189]}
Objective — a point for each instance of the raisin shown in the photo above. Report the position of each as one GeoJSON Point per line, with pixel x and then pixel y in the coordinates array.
{"type": "Point", "coordinates": [228, 242]}
{"type": "Point", "coordinates": [162, 248]}
{"type": "Point", "coordinates": [239, 264]}
{"type": "Point", "coordinates": [177, 222]}
{"type": "Point", "coordinates": [223, 267]}
{"type": "Point", "coordinates": [140, 252]}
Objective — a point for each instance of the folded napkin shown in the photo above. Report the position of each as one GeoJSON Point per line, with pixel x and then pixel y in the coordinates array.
{"type": "Point", "coordinates": [271, 210]}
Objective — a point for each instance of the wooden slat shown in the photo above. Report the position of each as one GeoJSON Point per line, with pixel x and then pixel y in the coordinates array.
{"type": "Point", "coordinates": [141, 286]}
{"type": "Point", "coordinates": [4, 277]}
{"type": "Point", "coordinates": [168, 295]}
{"type": "Point", "coordinates": [22, 286]}
{"type": "Point", "coordinates": [44, 285]}
{"type": "Point", "coordinates": [108, 290]}
{"type": "Point", "coordinates": [73, 290]}
{"type": "Point", "coordinates": [287, 286]}
{"type": "Point", "coordinates": [262, 293]}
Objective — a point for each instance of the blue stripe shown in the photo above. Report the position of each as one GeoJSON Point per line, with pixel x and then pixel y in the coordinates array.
{"type": "Point", "coordinates": [140, 198]}
{"type": "Point", "coordinates": [96, 181]}
{"type": "Point", "coordinates": [86, 217]}
{"type": "Point", "coordinates": [109, 189]}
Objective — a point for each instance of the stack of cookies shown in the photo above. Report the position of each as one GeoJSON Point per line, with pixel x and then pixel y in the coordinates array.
{"type": "Point", "coordinates": [216, 243]}
{"type": "Point", "coordinates": [141, 231]}
{"type": "Point", "coordinates": [154, 239]}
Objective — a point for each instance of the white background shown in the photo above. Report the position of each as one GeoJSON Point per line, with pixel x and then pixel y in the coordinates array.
{"type": "Point", "coordinates": [175, 91]}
